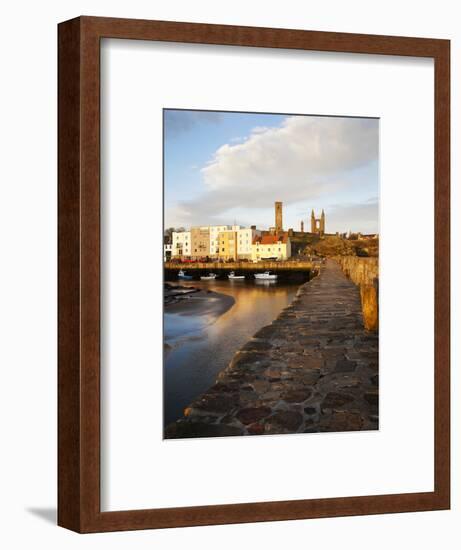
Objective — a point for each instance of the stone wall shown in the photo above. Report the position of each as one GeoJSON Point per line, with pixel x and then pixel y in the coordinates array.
{"type": "Point", "coordinates": [277, 266]}
{"type": "Point", "coordinates": [364, 272]}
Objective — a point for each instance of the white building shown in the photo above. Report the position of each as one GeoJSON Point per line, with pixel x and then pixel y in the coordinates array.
{"type": "Point", "coordinates": [270, 247]}
{"type": "Point", "coordinates": [181, 244]}
{"type": "Point", "coordinates": [245, 237]}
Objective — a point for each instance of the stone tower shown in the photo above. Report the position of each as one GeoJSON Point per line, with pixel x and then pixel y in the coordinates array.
{"type": "Point", "coordinates": [313, 223]}
{"type": "Point", "coordinates": [278, 218]}
{"type": "Point", "coordinates": [318, 224]}
{"type": "Point", "coordinates": [302, 226]}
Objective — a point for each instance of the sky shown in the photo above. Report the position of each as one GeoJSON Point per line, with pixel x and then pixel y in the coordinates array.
{"type": "Point", "coordinates": [222, 168]}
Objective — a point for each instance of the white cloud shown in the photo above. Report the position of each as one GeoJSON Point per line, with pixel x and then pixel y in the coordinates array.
{"type": "Point", "coordinates": [303, 159]}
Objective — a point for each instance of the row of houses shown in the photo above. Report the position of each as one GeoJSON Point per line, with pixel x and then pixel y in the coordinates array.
{"type": "Point", "coordinates": [227, 242]}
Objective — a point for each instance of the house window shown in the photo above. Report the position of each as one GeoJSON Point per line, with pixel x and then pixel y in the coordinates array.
{"type": "Point", "coordinates": [222, 249]}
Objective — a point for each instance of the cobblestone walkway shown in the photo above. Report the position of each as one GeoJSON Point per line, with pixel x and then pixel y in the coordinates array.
{"type": "Point", "coordinates": [314, 369]}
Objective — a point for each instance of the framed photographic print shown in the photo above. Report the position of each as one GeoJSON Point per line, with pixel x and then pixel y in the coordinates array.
{"type": "Point", "coordinates": [291, 351]}
{"type": "Point", "coordinates": [253, 274]}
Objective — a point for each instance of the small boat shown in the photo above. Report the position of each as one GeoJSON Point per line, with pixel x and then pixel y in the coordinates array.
{"type": "Point", "coordinates": [266, 276]}
{"type": "Point", "coordinates": [182, 275]}
{"type": "Point", "coordinates": [233, 277]}
{"type": "Point", "coordinates": [209, 277]}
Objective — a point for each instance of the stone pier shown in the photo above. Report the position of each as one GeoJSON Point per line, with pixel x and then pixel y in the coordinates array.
{"type": "Point", "coordinates": [314, 369]}
{"type": "Point", "coordinates": [364, 272]}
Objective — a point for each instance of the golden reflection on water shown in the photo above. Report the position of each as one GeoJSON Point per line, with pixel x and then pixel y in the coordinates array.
{"type": "Point", "coordinates": [251, 301]}
{"type": "Point", "coordinates": [197, 356]}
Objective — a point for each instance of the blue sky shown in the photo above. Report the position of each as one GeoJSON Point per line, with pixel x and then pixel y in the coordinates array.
{"type": "Point", "coordinates": [222, 167]}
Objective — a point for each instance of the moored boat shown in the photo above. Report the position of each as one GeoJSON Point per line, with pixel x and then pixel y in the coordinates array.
{"type": "Point", "coordinates": [209, 277]}
{"type": "Point", "coordinates": [266, 276]}
{"type": "Point", "coordinates": [182, 275]}
{"type": "Point", "coordinates": [233, 277]}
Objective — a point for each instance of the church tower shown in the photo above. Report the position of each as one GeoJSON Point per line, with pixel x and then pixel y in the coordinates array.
{"type": "Point", "coordinates": [322, 223]}
{"type": "Point", "coordinates": [313, 224]}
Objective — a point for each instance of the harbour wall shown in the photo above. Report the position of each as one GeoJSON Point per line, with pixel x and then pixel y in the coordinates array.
{"type": "Point", "coordinates": [243, 266]}
{"type": "Point", "coordinates": [292, 270]}
{"type": "Point", "coordinates": [364, 272]}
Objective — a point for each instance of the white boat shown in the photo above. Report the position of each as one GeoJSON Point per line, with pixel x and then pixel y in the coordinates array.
{"type": "Point", "coordinates": [233, 277]}
{"type": "Point", "coordinates": [182, 275]}
{"type": "Point", "coordinates": [209, 277]}
{"type": "Point", "coordinates": [266, 276]}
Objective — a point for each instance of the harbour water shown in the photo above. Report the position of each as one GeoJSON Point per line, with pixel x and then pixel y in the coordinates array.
{"type": "Point", "coordinates": [201, 337]}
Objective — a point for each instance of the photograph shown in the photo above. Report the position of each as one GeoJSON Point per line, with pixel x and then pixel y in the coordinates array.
{"type": "Point", "coordinates": [271, 273]}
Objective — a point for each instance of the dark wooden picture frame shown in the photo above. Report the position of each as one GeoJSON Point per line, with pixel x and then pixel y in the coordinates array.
{"type": "Point", "coordinates": [79, 274]}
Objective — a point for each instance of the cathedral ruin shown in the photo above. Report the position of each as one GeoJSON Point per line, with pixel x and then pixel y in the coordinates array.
{"type": "Point", "coordinates": [318, 224]}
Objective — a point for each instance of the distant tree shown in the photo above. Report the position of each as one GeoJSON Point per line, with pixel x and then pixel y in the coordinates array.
{"type": "Point", "coordinates": [168, 233]}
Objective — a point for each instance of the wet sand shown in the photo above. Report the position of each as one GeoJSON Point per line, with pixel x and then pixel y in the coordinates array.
{"type": "Point", "coordinates": [201, 302]}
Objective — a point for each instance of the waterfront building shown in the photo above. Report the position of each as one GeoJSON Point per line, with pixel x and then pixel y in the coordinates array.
{"type": "Point", "coordinates": [167, 252]}
{"type": "Point", "coordinates": [236, 243]}
{"type": "Point", "coordinates": [214, 241]}
{"type": "Point", "coordinates": [214, 233]}
{"type": "Point", "coordinates": [181, 244]}
{"type": "Point", "coordinates": [245, 237]}
{"type": "Point", "coordinates": [200, 242]}
{"type": "Point", "coordinates": [271, 247]}
{"type": "Point", "coordinates": [227, 245]}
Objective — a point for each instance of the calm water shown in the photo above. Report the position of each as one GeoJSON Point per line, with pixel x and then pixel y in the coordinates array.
{"type": "Point", "coordinates": [203, 344]}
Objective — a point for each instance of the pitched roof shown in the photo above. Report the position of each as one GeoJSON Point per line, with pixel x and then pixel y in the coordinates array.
{"type": "Point", "coordinates": [271, 239]}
